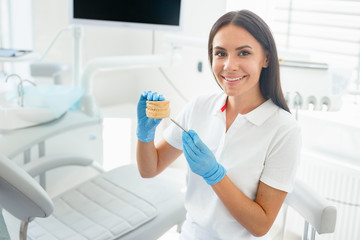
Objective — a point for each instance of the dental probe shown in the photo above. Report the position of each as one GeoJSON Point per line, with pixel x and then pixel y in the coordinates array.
{"type": "Point", "coordinates": [177, 124]}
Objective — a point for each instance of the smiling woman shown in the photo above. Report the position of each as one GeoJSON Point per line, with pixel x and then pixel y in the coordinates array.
{"type": "Point", "coordinates": [238, 60]}
{"type": "Point", "coordinates": [242, 146]}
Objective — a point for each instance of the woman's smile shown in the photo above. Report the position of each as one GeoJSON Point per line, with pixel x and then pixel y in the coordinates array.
{"type": "Point", "coordinates": [232, 80]}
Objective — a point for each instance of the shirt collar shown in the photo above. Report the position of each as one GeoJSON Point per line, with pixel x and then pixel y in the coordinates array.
{"type": "Point", "coordinates": [257, 116]}
{"type": "Point", "coordinates": [260, 114]}
{"type": "Point", "coordinates": [220, 105]}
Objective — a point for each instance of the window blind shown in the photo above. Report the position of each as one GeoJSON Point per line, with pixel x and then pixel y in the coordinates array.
{"type": "Point", "coordinates": [328, 30]}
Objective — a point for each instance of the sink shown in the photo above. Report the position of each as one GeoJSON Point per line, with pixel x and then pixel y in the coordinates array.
{"type": "Point", "coordinates": [15, 117]}
{"type": "Point", "coordinates": [42, 103]}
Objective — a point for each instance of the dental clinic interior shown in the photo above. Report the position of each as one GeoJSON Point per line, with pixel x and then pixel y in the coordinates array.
{"type": "Point", "coordinates": [70, 82]}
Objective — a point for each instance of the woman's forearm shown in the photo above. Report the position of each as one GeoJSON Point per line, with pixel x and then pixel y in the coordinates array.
{"type": "Point", "coordinates": [147, 159]}
{"type": "Point", "coordinates": [256, 216]}
{"type": "Point", "coordinates": [152, 159]}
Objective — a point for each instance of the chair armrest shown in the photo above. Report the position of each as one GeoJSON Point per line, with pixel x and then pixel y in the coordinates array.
{"type": "Point", "coordinates": [313, 207]}
{"type": "Point", "coordinates": [20, 194]}
{"type": "Point", "coordinates": [44, 164]}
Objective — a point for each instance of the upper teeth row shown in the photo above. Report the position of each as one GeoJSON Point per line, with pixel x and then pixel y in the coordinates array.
{"type": "Point", "coordinates": [234, 79]}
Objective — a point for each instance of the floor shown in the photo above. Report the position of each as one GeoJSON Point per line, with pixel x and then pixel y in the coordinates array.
{"type": "Point", "coordinates": [172, 234]}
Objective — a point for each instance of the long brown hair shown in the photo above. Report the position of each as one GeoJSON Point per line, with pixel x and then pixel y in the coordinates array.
{"type": "Point", "coordinates": [270, 85]}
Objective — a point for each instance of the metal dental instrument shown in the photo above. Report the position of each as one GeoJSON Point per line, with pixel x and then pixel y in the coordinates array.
{"type": "Point", "coordinates": [177, 124]}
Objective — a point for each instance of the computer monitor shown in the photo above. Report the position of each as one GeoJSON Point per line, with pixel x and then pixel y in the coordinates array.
{"type": "Point", "coordinates": [149, 14]}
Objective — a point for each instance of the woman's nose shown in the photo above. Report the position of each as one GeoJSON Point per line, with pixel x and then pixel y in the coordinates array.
{"type": "Point", "coordinates": [231, 64]}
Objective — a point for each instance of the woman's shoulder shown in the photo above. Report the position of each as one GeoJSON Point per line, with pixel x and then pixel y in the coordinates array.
{"type": "Point", "coordinates": [286, 119]}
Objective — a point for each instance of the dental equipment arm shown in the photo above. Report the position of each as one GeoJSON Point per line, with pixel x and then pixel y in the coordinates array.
{"type": "Point", "coordinates": [53, 41]}
{"type": "Point", "coordinates": [45, 164]}
{"type": "Point", "coordinates": [87, 103]}
{"type": "Point", "coordinates": [78, 33]}
{"type": "Point", "coordinates": [140, 61]}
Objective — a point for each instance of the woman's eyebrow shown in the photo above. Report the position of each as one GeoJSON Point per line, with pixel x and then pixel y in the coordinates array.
{"type": "Point", "coordinates": [218, 47]}
{"type": "Point", "coordinates": [242, 47]}
{"type": "Point", "coordinates": [238, 48]}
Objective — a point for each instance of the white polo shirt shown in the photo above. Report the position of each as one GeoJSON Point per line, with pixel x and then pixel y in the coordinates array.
{"type": "Point", "coordinates": [262, 145]}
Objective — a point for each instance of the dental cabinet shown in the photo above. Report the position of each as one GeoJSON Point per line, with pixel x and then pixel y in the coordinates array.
{"type": "Point", "coordinates": [15, 142]}
{"type": "Point", "coordinates": [319, 85]}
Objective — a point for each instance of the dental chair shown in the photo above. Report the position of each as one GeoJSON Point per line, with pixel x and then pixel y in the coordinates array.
{"type": "Point", "coordinates": [318, 214]}
{"type": "Point", "coordinates": [118, 204]}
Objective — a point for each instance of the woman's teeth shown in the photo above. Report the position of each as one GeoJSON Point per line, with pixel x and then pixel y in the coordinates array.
{"type": "Point", "coordinates": [234, 79]}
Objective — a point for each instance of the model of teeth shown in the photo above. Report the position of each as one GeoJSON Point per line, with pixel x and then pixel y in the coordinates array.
{"type": "Point", "coordinates": [157, 109]}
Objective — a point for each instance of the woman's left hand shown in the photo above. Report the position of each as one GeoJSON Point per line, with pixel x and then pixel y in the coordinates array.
{"type": "Point", "coordinates": [200, 158]}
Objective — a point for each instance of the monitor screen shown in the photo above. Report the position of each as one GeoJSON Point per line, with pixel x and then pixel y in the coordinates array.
{"type": "Point", "coordinates": [151, 14]}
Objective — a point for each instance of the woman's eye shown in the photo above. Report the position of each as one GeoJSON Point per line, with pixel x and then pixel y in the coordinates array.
{"type": "Point", "coordinates": [220, 54]}
{"type": "Point", "coordinates": [244, 53]}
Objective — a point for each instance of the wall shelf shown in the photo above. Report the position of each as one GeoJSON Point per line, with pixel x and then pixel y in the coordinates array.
{"type": "Point", "coordinates": [26, 57]}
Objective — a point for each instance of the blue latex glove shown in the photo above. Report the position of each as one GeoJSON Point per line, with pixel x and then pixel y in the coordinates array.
{"type": "Point", "coordinates": [201, 159]}
{"type": "Point", "coordinates": [146, 126]}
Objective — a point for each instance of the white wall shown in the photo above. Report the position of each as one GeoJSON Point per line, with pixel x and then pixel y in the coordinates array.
{"type": "Point", "coordinates": [263, 8]}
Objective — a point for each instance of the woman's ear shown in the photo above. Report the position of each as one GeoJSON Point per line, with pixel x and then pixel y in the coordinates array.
{"type": "Point", "coordinates": [266, 60]}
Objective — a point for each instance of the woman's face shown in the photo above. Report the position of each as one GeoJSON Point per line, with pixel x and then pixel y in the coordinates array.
{"type": "Point", "coordinates": [238, 59]}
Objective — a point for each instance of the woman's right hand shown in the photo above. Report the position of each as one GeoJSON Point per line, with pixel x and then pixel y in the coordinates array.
{"type": "Point", "coordinates": [146, 126]}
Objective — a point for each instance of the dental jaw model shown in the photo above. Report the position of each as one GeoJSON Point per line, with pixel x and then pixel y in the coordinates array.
{"type": "Point", "coordinates": [160, 110]}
